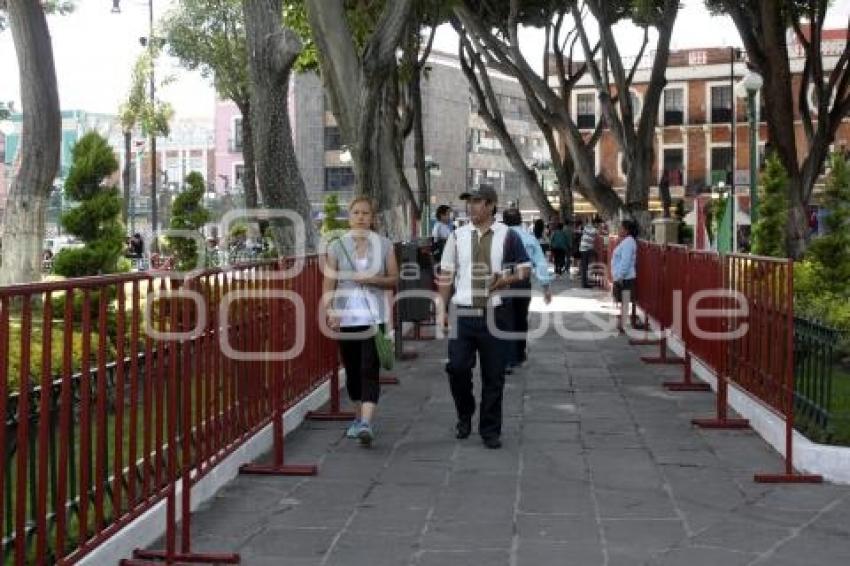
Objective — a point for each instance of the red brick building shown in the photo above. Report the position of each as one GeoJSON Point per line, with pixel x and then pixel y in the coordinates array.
{"type": "Point", "coordinates": [694, 131]}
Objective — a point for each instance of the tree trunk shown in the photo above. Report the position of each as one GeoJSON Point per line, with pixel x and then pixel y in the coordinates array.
{"type": "Point", "coordinates": [419, 138]}
{"type": "Point", "coordinates": [638, 180]}
{"type": "Point", "coordinates": [273, 51]}
{"type": "Point", "coordinates": [564, 174]}
{"type": "Point", "coordinates": [357, 88]}
{"type": "Point", "coordinates": [128, 148]}
{"type": "Point", "coordinates": [249, 179]}
{"type": "Point", "coordinates": [24, 225]}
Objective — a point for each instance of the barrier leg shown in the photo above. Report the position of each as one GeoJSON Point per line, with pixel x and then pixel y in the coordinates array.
{"type": "Point", "coordinates": [277, 467]}
{"type": "Point", "coordinates": [687, 383]}
{"type": "Point", "coordinates": [335, 413]}
{"type": "Point", "coordinates": [790, 475]}
{"type": "Point", "coordinates": [662, 358]}
{"type": "Point", "coordinates": [722, 420]}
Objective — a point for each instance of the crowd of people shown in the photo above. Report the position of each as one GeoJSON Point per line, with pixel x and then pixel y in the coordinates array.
{"type": "Point", "coordinates": [485, 271]}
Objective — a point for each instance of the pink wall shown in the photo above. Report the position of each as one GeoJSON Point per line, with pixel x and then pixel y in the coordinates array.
{"type": "Point", "coordinates": [225, 112]}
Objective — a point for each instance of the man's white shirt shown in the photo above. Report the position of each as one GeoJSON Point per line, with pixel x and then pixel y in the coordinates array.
{"type": "Point", "coordinates": [457, 259]}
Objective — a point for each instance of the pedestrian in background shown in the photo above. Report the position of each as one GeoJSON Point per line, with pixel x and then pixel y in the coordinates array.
{"type": "Point", "coordinates": [624, 270]}
{"type": "Point", "coordinates": [519, 305]}
{"type": "Point", "coordinates": [360, 269]}
{"type": "Point", "coordinates": [561, 249]}
{"type": "Point", "coordinates": [586, 249]}
{"type": "Point", "coordinates": [441, 232]}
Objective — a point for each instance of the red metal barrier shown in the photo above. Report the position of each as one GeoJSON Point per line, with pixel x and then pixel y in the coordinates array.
{"type": "Point", "coordinates": [670, 283]}
{"type": "Point", "coordinates": [702, 272]}
{"type": "Point", "coordinates": [761, 360]}
{"type": "Point", "coordinates": [102, 418]}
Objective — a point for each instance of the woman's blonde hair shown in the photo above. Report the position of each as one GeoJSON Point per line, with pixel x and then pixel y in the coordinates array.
{"type": "Point", "coordinates": [357, 200]}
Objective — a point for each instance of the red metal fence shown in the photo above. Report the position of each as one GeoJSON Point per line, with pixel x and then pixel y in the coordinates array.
{"type": "Point", "coordinates": [102, 418]}
{"type": "Point", "coordinates": [744, 332]}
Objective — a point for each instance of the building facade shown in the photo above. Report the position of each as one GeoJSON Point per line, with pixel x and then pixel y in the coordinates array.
{"type": "Point", "coordinates": [455, 138]}
{"type": "Point", "coordinates": [187, 148]}
{"type": "Point", "coordinates": [693, 142]}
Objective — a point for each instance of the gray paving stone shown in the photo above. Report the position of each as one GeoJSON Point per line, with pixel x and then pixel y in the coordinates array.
{"type": "Point", "coordinates": [541, 527]}
{"type": "Point", "coordinates": [561, 554]}
{"type": "Point", "coordinates": [744, 536]}
{"type": "Point", "coordinates": [591, 440]}
{"type": "Point", "coordinates": [702, 556]}
{"type": "Point", "coordinates": [464, 558]}
{"type": "Point", "coordinates": [292, 543]}
{"type": "Point", "coordinates": [634, 541]}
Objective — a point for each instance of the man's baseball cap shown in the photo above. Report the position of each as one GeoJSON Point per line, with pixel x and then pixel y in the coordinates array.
{"type": "Point", "coordinates": [483, 191]}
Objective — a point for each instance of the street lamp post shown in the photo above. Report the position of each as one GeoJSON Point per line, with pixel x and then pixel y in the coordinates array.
{"type": "Point", "coordinates": [730, 201]}
{"type": "Point", "coordinates": [734, 55]}
{"type": "Point", "coordinates": [748, 87]}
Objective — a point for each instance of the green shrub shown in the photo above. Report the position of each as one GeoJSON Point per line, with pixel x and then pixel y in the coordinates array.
{"type": "Point", "coordinates": [822, 279]}
{"type": "Point", "coordinates": [188, 213]}
{"type": "Point", "coordinates": [331, 223]}
{"type": "Point", "coordinates": [769, 235]}
{"type": "Point", "coordinates": [56, 353]}
{"type": "Point", "coordinates": [96, 220]}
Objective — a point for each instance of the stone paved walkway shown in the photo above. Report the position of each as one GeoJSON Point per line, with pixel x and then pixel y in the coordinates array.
{"type": "Point", "coordinates": [600, 467]}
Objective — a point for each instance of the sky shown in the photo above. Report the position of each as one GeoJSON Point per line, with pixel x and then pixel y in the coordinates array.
{"type": "Point", "coordinates": [94, 51]}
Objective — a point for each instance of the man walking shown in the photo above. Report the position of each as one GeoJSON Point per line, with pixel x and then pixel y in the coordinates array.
{"type": "Point", "coordinates": [586, 248]}
{"type": "Point", "coordinates": [480, 258]}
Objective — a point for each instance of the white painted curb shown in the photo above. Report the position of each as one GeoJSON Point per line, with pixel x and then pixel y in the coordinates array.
{"type": "Point", "coordinates": [831, 462]}
{"type": "Point", "coordinates": [150, 526]}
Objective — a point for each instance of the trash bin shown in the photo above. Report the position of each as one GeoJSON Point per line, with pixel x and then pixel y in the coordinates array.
{"type": "Point", "coordinates": [414, 309]}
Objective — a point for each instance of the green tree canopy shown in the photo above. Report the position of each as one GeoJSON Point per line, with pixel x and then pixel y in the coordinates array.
{"type": "Point", "coordinates": [209, 36]}
{"type": "Point", "coordinates": [153, 118]}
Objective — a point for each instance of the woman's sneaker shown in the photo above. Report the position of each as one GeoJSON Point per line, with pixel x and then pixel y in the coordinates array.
{"type": "Point", "coordinates": [353, 429]}
{"type": "Point", "coordinates": [365, 434]}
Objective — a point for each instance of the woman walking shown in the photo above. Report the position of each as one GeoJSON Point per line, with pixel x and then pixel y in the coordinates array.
{"type": "Point", "coordinates": [360, 269]}
{"type": "Point", "coordinates": [624, 269]}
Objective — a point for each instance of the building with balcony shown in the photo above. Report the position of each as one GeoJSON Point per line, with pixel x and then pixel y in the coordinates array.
{"type": "Point", "coordinates": [693, 135]}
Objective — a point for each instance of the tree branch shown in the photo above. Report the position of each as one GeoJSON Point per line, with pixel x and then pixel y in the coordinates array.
{"type": "Point", "coordinates": [380, 51]}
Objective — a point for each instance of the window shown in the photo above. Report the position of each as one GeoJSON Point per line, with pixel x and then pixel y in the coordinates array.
{"type": "Point", "coordinates": [236, 138]}
{"type": "Point", "coordinates": [697, 58]}
{"type": "Point", "coordinates": [333, 140]}
{"type": "Point", "coordinates": [586, 111]}
{"type": "Point", "coordinates": [721, 104]}
{"type": "Point", "coordinates": [721, 165]}
{"type": "Point", "coordinates": [238, 175]}
{"type": "Point", "coordinates": [339, 179]}
{"type": "Point", "coordinates": [674, 107]}
{"type": "Point", "coordinates": [637, 105]}
{"type": "Point", "coordinates": [674, 166]}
